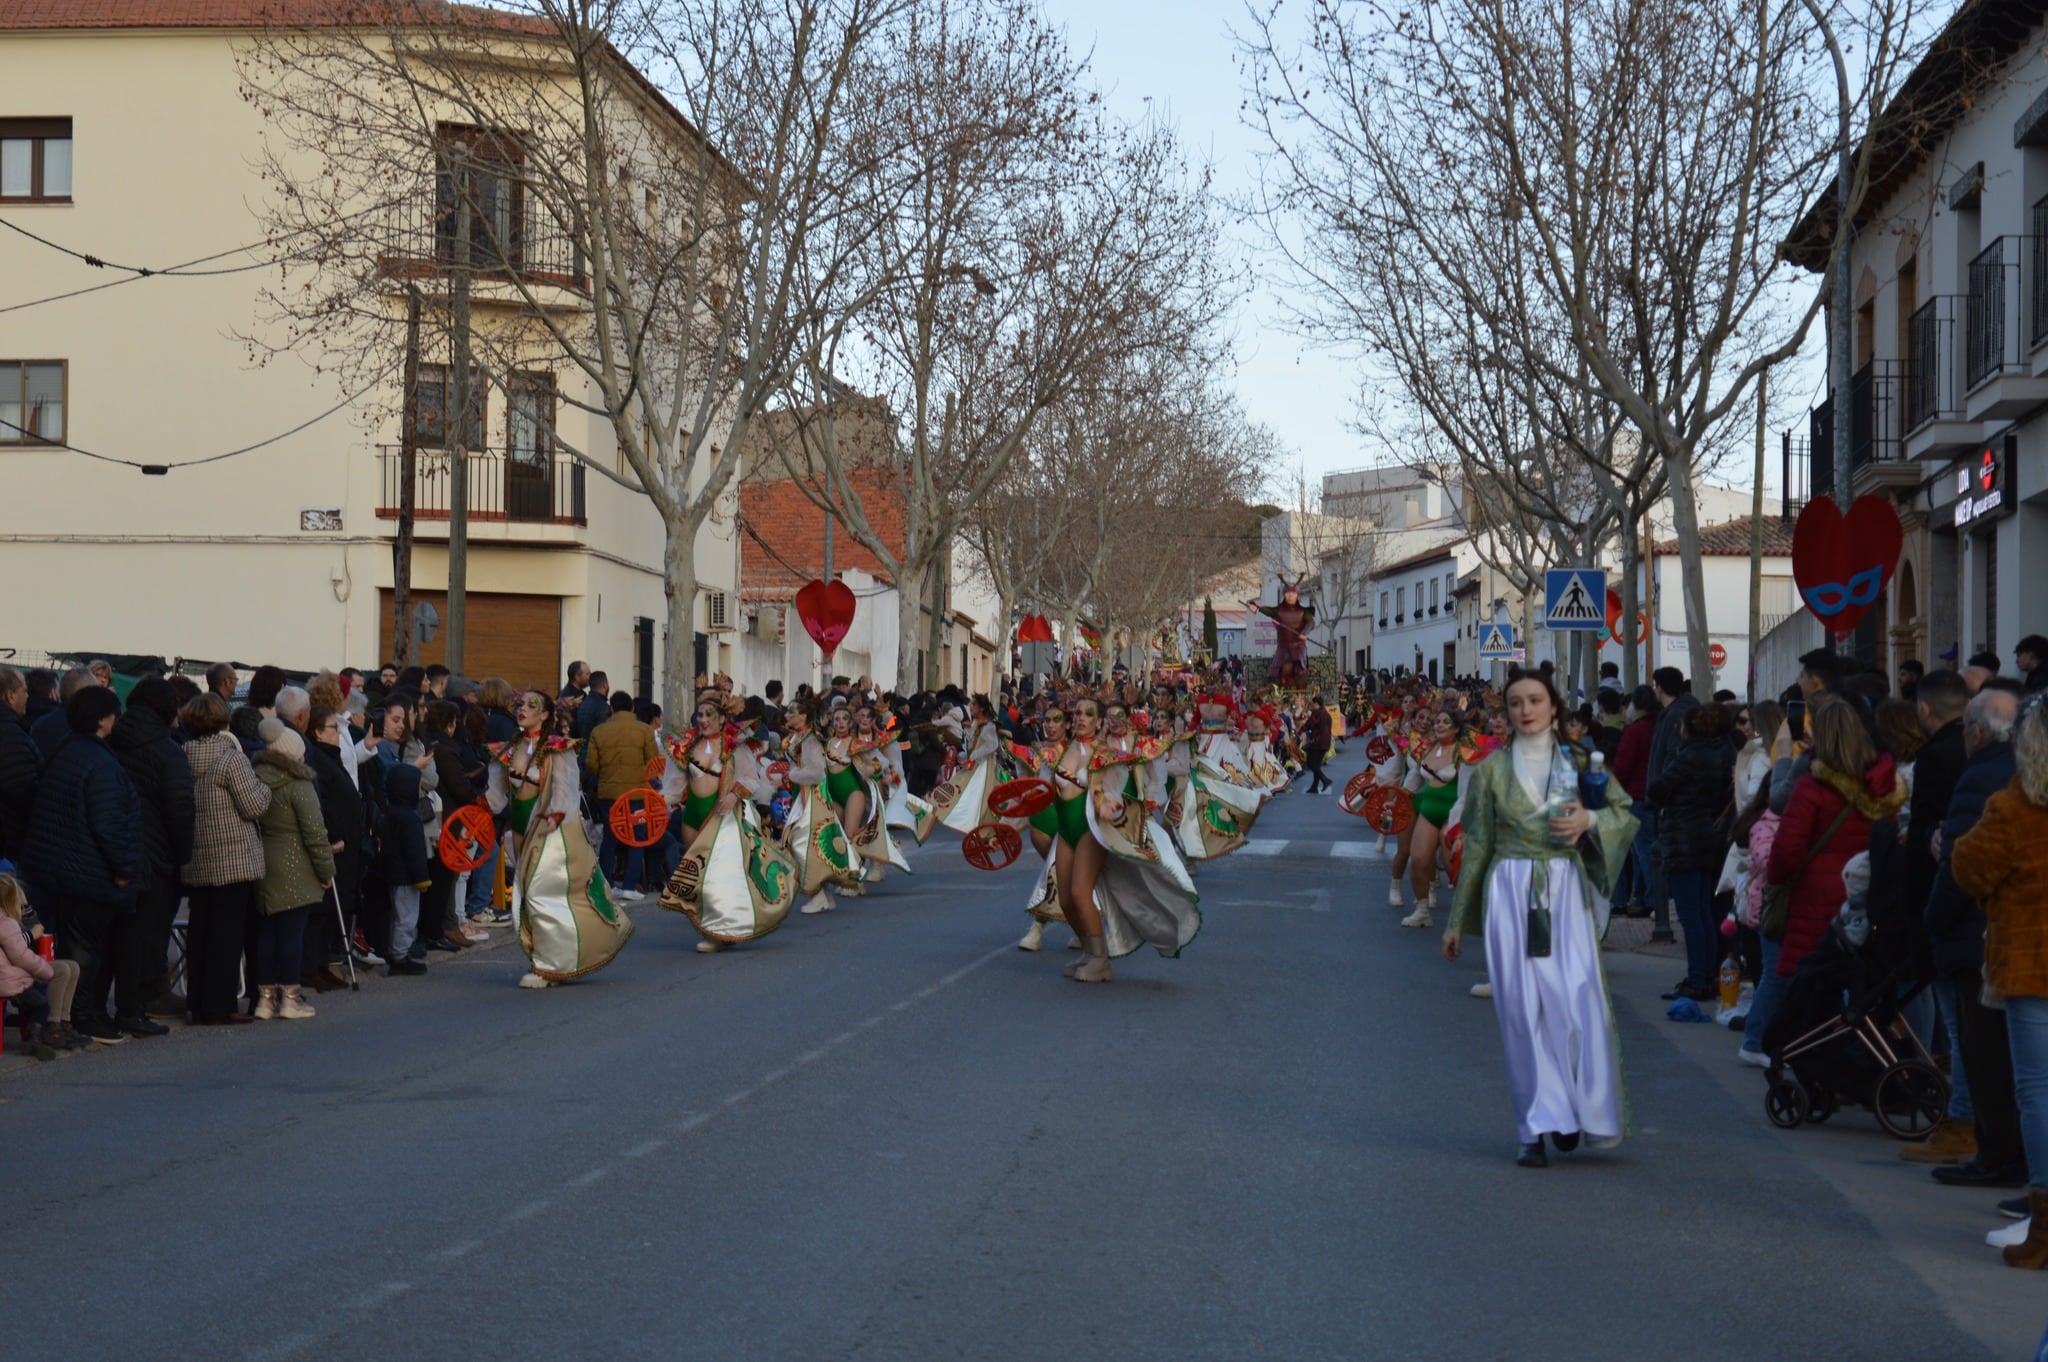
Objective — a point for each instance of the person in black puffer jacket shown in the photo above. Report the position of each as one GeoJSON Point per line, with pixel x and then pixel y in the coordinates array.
{"type": "Point", "coordinates": [85, 850]}
{"type": "Point", "coordinates": [341, 809]}
{"type": "Point", "coordinates": [156, 765]}
{"type": "Point", "coordinates": [1691, 796]}
{"type": "Point", "coordinates": [20, 765]}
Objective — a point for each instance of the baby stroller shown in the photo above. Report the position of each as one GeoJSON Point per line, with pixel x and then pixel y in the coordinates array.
{"type": "Point", "coordinates": [1839, 1037]}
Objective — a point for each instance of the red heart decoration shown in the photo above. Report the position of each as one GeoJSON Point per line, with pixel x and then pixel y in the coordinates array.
{"type": "Point", "coordinates": [1843, 564]}
{"type": "Point", "coordinates": [826, 608]}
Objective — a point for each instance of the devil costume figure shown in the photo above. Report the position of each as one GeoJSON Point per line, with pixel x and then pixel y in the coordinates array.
{"type": "Point", "coordinates": [1291, 622]}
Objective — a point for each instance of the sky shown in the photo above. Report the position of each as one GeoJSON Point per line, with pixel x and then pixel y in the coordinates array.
{"type": "Point", "coordinates": [1177, 61]}
{"type": "Point", "coordinates": [1180, 56]}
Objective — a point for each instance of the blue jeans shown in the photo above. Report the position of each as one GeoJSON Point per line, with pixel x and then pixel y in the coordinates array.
{"type": "Point", "coordinates": [280, 943]}
{"type": "Point", "coordinates": [481, 881]}
{"type": "Point", "coordinates": [1693, 892]}
{"type": "Point", "coordinates": [1764, 1001]}
{"type": "Point", "coordinates": [608, 858]}
{"type": "Point", "coordinates": [1656, 884]}
{"type": "Point", "coordinates": [2026, 1023]}
{"type": "Point", "coordinates": [1959, 1106]}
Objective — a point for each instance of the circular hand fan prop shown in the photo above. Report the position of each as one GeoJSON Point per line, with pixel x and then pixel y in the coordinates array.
{"type": "Point", "coordinates": [1454, 849]}
{"type": "Point", "coordinates": [1021, 798]}
{"type": "Point", "coordinates": [467, 838]}
{"type": "Point", "coordinates": [991, 846]}
{"type": "Point", "coordinates": [1380, 750]}
{"type": "Point", "coordinates": [1355, 791]}
{"type": "Point", "coordinates": [777, 772]}
{"type": "Point", "coordinates": [656, 771]}
{"type": "Point", "coordinates": [1389, 810]}
{"type": "Point", "coordinates": [639, 817]}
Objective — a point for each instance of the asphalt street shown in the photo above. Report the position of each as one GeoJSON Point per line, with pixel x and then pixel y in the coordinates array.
{"type": "Point", "coordinates": [887, 1133]}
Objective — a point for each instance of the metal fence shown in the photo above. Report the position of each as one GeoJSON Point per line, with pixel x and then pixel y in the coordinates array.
{"type": "Point", "coordinates": [520, 486]}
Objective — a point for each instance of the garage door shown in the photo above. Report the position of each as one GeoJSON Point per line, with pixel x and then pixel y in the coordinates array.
{"type": "Point", "coordinates": [516, 637]}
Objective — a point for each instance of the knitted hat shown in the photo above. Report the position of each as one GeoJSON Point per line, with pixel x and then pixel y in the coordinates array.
{"type": "Point", "coordinates": [269, 729]}
{"type": "Point", "coordinates": [461, 687]}
{"type": "Point", "coordinates": [287, 741]}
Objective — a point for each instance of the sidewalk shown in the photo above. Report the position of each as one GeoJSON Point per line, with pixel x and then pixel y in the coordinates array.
{"type": "Point", "coordinates": [1937, 1232]}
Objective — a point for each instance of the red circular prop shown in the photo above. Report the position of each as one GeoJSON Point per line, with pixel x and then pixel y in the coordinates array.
{"type": "Point", "coordinates": [1355, 791]}
{"type": "Point", "coordinates": [1389, 809]}
{"type": "Point", "coordinates": [656, 771]}
{"type": "Point", "coordinates": [467, 837]}
{"type": "Point", "coordinates": [1380, 750]}
{"type": "Point", "coordinates": [1454, 849]}
{"type": "Point", "coordinates": [777, 772]}
{"type": "Point", "coordinates": [639, 817]}
{"type": "Point", "coordinates": [991, 846]}
{"type": "Point", "coordinates": [1021, 798]}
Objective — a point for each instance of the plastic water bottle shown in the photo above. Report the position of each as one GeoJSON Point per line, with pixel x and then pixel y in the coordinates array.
{"type": "Point", "coordinates": [1593, 784]}
{"type": "Point", "coordinates": [1731, 980]}
{"type": "Point", "coordinates": [1562, 791]}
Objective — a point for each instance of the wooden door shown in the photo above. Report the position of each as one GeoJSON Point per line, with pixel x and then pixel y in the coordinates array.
{"type": "Point", "coordinates": [518, 638]}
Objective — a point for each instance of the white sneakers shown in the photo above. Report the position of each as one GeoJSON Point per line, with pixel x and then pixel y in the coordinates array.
{"type": "Point", "coordinates": [2008, 1235]}
{"type": "Point", "coordinates": [1394, 899]}
{"type": "Point", "coordinates": [1755, 1059]}
{"type": "Point", "coordinates": [820, 902]}
{"type": "Point", "coordinates": [532, 980]}
{"type": "Point", "coordinates": [1033, 937]}
{"type": "Point", "coordinates": [627, 895]}
{"type": "Point", "coordinates": [1483, 989]}
{"type": "Point", "coordinates": [1418, 918]}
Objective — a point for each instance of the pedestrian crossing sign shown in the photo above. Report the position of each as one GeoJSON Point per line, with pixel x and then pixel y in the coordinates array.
{"type": "Point", "coordinates": [1574, 598]}
{"type": "Point", "coordinates": [1497, 643]}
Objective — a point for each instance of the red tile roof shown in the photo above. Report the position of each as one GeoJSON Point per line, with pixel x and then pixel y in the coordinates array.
{"type": "Point", "coordinates": [778, 516]}
{"type": "Point", "coordinates": [1730, 539]}
{"type": "Point", "coordinates": [81, 14]}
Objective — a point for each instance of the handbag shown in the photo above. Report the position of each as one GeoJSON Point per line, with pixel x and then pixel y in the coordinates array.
{"type": "Point", "coordinates": [1777, 907]}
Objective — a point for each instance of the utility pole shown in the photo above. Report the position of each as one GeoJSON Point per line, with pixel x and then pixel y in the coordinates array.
{"type": "Point", "coordinates": [408, 476]}
{"type": "Point", "coordinates": [1756, 538]}
{"type": "Point", "coordinates": [1845, 233]}
{"type": "Point", "coordinates": [460, 390]}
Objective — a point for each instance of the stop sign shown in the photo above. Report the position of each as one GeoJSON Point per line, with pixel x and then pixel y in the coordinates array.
{"type": "Point", "coordinates": [1718, 655]}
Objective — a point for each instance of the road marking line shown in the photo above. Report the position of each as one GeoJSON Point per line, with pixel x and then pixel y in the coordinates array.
{"type": "Point", "coordinates": [644, 1148]}
{"type": "Point", "coordinates": [774, 1076]}
{"type": "Point", "coordinates": [454, 1251]}
{"type": "Point", "coordinates": [689, 1124]}
{"type": "Point", "coordinates": [595, 1175]}
{"type": "Point", "coordinates": [1352, 851]}
{"type": "Point", "coordinates": [529, 1210]}
{"type": "Point", "coordinates": [810, 1057]}
{"type": "Point", "coordinates": [378, 1295]}
{"type": "Point", "coordinates": [1264, 848]}
{"type": "Point", "coordinates": [736, 1098]}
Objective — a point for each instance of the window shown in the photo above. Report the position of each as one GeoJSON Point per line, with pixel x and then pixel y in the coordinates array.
{"type": "Point", "coordinates": [481, 169]}
{"type": "Point", "coordinates": [1383, 610]}
{"type": "Point", "coordinates": [31, 401]}
{"type": "Point", "coordinates": [35, 160]}
{"type": "Point", "coordinates": [430, 409]}
{"type": "Point", "coordinates": [1400, 604]}
{"type": "Point", "coordinates": [1434, 600]}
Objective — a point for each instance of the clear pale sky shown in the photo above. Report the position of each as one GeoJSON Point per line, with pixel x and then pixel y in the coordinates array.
{"type": "Point", "coordinates": [1180, 56]}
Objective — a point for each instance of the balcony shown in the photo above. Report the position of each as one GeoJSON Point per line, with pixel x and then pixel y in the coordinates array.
{"type": "Point", "coordinates": [1794, 470]}
{"type": "Point", "coordinates": [1936, 418]}
{"type": "Point", "coordinates": [517, 488]}
{"type": "Point", "coordinates": [513, 236]}
{"type": "Point", "coordinates": [1876, 452]}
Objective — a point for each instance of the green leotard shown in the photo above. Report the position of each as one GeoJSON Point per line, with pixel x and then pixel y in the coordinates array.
{"type": "Point", "coordinates": [1073, 818]}
{"type": "Point", "coordinates": [1047, 820]}
{"type": "Point", "coordinates": [1434, 801]}
{"type": "Point", "coordinates": [697, 808]}
{"type": "Point", "coordinates": [841, 785]}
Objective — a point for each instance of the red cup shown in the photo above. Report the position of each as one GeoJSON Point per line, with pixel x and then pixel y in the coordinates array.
{"type": "Point", "coordinates": [46, 946]}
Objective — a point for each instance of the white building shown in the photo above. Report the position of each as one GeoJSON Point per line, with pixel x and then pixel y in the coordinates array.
{"type": "Point", "coordinates": [1949, 341]}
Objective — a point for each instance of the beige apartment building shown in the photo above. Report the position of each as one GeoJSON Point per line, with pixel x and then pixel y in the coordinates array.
{"type": "Point", "coordinates": [125, 135]}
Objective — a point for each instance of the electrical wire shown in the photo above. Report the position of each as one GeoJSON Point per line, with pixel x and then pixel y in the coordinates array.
{"type": "Point", "coordinates": [159, 469]}
{"type": "Point", "coordinates": [802, 575]}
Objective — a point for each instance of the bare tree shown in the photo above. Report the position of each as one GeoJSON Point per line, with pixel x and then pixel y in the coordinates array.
{"type": "Point", "coordinates": [650, 197]}
{"type": "Point", "coordinates": [1639, 160]}
{"type": "Point", "coordinates": [1045, 244]}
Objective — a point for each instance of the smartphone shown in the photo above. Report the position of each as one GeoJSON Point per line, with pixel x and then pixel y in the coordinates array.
{"type": "Point", "coordinates": [1795, 718]}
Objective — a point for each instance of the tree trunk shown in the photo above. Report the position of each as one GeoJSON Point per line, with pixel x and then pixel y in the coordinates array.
{"type": "Point", "coordinates": [909, 599]}
{"type": "Point", "coordinates": [1692, 575]}
{"type": "Point", "coordinates": [679, 652]}
{"type": "Point", "coordinates": [935, 636]}
{"type": "Point", "coordinates": [1631, 605]}
{"type": "Point", "coordinates": [1005, 608]}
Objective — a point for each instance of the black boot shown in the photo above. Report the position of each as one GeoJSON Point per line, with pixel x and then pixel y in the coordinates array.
{"type": "Point", "coordinates": [1532, 1155]}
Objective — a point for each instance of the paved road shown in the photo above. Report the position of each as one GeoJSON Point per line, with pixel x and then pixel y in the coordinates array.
{"type": "Point", "coordinates": [888, 1134]}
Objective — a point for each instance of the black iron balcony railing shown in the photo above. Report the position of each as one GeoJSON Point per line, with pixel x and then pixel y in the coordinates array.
{"type": "Point", "coordinates": [1875, 394]}
{"type": "Point", "coordinates": [1932, 389]}
{"type": "Point", "coordinates": [1990, 311]}
{"type": "Point", "coordinates": [512, 235]}
{"type": "Point", "coordinates": [519, 486]}
{"type": "Point", "coordinates": [1795, 470]}
{"type": "Point", "coordinates": [1820, 448]}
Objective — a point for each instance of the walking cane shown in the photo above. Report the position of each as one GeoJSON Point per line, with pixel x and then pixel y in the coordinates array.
{"type": "Point", "coordinates": [347, 948]}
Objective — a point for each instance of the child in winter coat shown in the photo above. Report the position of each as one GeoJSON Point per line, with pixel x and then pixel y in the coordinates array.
{"type": "Point", "coordinates": [405, 865]}
{"type": "Point", "coordinates": [38, 987]}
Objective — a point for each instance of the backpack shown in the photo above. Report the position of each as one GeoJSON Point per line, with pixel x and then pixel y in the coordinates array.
{"type": "Point", "coordinates": [376, 812]}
